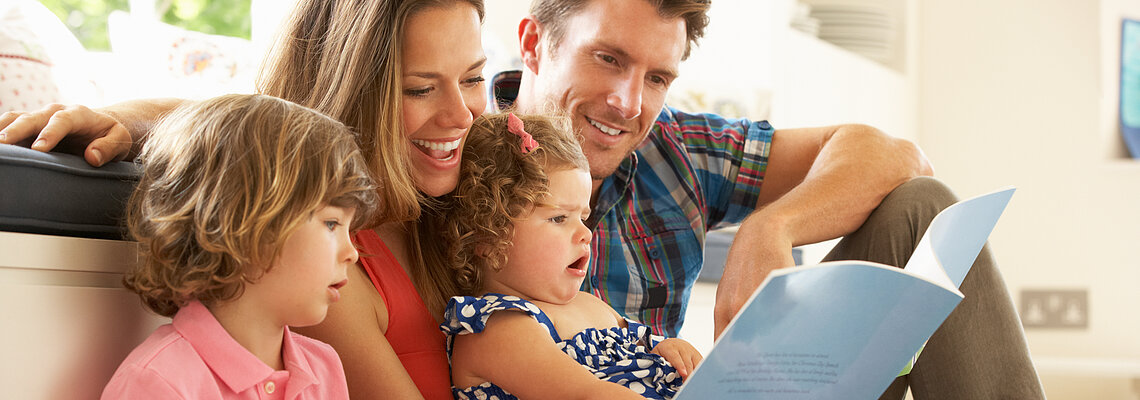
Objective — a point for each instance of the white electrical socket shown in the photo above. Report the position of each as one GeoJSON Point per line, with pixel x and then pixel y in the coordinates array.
{"type": "Point", "coordinates": [1066, 308]}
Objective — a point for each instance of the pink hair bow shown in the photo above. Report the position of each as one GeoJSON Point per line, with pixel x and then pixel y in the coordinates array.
{"type": "Point", "coordinates": [515, 126]}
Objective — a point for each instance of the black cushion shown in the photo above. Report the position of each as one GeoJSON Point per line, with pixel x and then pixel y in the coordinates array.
{"type": "Point", "coordinates": [60, 194]}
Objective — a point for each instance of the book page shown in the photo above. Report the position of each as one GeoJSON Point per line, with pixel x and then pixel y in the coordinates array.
{"type": "Point", "coordinates": [845, 329]}
{"type": "Point", "coordinates": [955, 236]}
{"type": "Point", "coordinates": [821, 332]}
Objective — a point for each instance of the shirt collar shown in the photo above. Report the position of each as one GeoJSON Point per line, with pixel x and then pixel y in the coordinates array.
{"type": "Point", "coordinates": [613, 189]}
{"type": "Point", "coordinates": [233, 364]}
{"type": "Point", "coordinates": [301, 373]}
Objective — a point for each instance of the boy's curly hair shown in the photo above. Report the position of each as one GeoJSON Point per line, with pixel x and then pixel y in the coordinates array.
{"type": "Point", "coordinates": [498, 184]}
{"type": "Point", "coordinates": [225, 182]}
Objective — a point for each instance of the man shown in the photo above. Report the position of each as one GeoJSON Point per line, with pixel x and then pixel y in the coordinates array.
{"type": "Point", "coordinates": [663, 178]}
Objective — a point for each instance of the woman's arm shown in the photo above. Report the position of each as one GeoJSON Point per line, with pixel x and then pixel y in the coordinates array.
{"type": "Point", "coordinates": [353, 327]}
{"type": "Point", "coordinates": [101, 135]}
{"type": "Point", "coordinates": [516, 353]}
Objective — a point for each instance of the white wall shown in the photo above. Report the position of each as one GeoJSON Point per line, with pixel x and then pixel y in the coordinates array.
{"type": "Point", "coordinates": [1023, 92]}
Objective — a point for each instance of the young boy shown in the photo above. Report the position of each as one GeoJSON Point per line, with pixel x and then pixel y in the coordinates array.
{"type": "Point", "coordinates": [243, 216]}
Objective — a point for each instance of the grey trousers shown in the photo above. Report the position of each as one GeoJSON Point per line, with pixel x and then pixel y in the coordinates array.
{"type": "Point", "coordinates": [980, 351]}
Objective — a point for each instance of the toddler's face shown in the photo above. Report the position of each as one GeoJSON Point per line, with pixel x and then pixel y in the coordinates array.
{"type": "Point", "coordinates": [309, 271]}
{"type": "Point", "coordinates": [551, 245]}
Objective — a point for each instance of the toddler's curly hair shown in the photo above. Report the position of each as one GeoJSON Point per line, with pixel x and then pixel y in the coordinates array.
{"type": "Point", "coordinates": [225, 181]}
{"type": "Point", "coordinates": [498, 184]}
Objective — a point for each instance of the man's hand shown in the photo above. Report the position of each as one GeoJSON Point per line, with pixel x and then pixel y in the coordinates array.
{"type": "Point", "coordinates": [680, 354]}
{"type": "Point", "coordinates": [821, 183]}
{"type": "Point", "coordinates": [757, 249]}
{"type": "Point", "coordinates": [98, 137]}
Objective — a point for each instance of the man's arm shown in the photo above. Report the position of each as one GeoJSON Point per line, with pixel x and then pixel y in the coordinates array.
{"type": "Point", "coordinates": [820, 184]}
{"type": "Point", "coordinates": [111, 133]}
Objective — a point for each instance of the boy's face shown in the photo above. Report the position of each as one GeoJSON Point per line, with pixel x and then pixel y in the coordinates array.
{"type": "Point", "coordinates": [611, 71]}
{"type": "Point", "coordinates": [551, 246]}
{"type": "Point", "coordinates": [309, 271]}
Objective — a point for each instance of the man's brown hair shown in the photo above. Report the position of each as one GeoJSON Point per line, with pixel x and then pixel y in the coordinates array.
{"type": "Point", "coordinates": [552, 14]}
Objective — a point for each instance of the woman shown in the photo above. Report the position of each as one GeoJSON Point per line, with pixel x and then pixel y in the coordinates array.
{"type": "Point", "coordinates": [405, 74]}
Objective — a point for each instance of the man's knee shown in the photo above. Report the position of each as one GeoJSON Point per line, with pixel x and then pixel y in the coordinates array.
{"type": "Point", "coordinates": [922, 197]}
{"type": "Point", "coordinates": [892, 230]}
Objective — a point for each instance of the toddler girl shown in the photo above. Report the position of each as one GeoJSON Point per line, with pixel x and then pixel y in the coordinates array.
{"type": "Point", "coordinates": [517, 228]}
{"type": "Point", "coordinates": [242, 215]}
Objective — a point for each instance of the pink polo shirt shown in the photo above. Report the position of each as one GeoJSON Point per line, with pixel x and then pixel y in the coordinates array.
{"type": "Point", "coordinates": [194, 358]}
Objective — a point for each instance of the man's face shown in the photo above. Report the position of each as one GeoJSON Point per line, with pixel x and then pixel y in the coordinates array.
{"type": "Point", "coordinates": [610, 71]}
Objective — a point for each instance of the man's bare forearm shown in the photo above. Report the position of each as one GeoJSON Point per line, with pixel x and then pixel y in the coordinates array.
{"type": "Point", "coordinates": [855, 168]}
{"type": "Point", "coordinates": [140, 117]}
{"type": "Point", "coordinates": [837, 177]}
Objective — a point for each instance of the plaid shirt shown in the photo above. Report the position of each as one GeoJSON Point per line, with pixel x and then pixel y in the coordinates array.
{"type": "Point", "coordinates": [694, 173]}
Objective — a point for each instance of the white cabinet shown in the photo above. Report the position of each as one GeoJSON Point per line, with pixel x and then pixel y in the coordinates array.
{"type": "Point", "coordinates": [68, 322]}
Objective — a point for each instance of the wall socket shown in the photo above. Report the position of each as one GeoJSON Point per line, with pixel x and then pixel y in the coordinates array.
{"type": "Point", "coordinates": [1068, 309]}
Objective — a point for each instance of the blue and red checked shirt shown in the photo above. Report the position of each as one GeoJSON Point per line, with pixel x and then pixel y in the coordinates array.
{"type": "Point", "coordinates": [693, 173]}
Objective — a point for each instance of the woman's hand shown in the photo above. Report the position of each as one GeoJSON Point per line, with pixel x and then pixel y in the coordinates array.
{"type": "Point", "coordinates": [97, 136]}
{"type": "Point", "coordinates": [679, 353]}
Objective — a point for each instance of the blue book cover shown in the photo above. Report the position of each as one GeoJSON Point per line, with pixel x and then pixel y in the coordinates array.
{"type": "Point", "coordinates": [845, 329]}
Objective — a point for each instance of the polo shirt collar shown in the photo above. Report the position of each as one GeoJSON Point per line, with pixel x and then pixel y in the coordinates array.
{"type": "Point", "coordinates": [301, 374]}
{"type": "Point", "coordinates": [234, 365]}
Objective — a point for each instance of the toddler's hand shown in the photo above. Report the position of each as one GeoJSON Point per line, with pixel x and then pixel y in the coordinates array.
{"type": "Point", "coordinates": [682, 355]}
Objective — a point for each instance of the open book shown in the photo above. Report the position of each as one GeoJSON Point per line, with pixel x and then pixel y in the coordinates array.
{"type": "Point", "coordinates": [844, 329]}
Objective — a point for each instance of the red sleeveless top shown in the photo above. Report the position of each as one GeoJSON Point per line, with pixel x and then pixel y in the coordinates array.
{"type": "Point", "coordinates": [412, 332]}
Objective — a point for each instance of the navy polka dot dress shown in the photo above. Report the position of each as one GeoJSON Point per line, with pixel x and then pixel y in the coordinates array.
{"type": "Point", "coordinates": [616, 354]}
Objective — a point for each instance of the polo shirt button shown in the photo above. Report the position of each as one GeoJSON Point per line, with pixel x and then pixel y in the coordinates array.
{"type": "Point", "coordinates": [594, 281]}
{"type": "Point", "coordinates": [270, 387]}
{"type": "Point", "coordinates": [765, 125]}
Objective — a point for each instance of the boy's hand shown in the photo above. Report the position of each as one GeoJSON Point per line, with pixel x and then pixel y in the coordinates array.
{"type": "Point", "coordinates": [682, 355]}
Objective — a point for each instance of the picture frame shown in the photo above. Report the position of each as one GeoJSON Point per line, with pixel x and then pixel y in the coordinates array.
{"type": "Point", "coordinates": [1130, 85]}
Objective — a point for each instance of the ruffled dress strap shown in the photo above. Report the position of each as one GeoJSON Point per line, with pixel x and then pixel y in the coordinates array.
{"type": "Point", "coordinates": [468, 314]}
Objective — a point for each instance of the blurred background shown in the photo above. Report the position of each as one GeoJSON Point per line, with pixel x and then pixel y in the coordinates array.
{"type": "Point", "coordinates": [1016, 92]}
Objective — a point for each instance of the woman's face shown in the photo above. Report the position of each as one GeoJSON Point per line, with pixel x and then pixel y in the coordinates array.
{"type": "Point", "coordinates": [443, 91]}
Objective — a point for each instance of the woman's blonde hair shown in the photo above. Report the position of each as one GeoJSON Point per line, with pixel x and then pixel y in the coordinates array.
{"type": "Point", "coordinates": [343, 58]}
{"type": "Point", "coordinates": [225, 182]}
{"type": "Point", "coordinates": [498, 184]}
